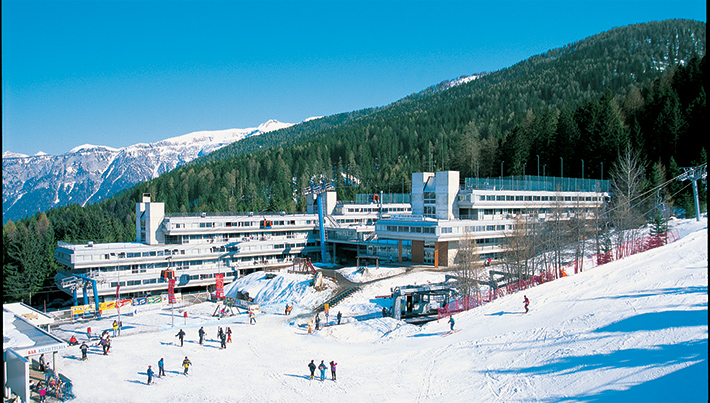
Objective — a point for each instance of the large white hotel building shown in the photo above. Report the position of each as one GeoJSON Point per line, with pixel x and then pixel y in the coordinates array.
{"type": "Point", "coordinates": [422, 228]}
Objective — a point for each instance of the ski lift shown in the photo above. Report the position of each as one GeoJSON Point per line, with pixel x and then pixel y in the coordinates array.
{"type": "Point", "coordinates": [168, 274]}
{"type": "Point", "coordinates": [376, 198]}
{"type": "Point", "coordinates": [265, 224]}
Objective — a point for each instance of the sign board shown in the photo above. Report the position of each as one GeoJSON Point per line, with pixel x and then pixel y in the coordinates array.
{"type": "Point", "coordinates": [171, 291]}
{"type": "Point", "coordinates": [219, 289]}
{"type": "Point", "coordinates": [256, 308]}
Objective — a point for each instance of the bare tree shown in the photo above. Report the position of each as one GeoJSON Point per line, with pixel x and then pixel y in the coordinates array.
{"type": "Point", "coordinates": [626, 180]}
{"type": "Point", "coordinates": [469, 268]}
{"type": "Point", "coordinates": [518, 249]}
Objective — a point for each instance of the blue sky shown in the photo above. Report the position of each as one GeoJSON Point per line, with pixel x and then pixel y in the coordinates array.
{"type": "Point", "coordinates": [117, 73]}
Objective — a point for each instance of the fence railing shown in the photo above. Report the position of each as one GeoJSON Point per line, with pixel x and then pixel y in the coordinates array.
{"type": "Point", "coordinates": [626, 249]}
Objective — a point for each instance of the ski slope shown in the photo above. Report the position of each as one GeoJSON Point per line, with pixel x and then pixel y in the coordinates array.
{"type": "Point", "coordinates": [634, 330]}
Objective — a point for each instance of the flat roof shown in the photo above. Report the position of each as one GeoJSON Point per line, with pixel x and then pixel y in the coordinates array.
{"type": "Point", "coordinates": [26, 339]}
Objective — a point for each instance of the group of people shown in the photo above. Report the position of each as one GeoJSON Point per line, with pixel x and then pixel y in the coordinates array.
{"type": "Point", "coordinates": [322, 367]}
{"type": "Point", "coordinates": [105, 342]}
{"type": "Point", "coordinates": [223, 336]}
{"type": "Point", "coordinates": [161, 369]}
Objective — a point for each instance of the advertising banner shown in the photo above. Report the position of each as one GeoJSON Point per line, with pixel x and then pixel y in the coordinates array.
{"type": "Point", "coordinates": [155, 299]}
{"type": "Point", "coordinates": [219, 280]}
{"type": "Point", "coordinates": [140, 301]}
{"type": "Point", "coordinates": [171, 291]}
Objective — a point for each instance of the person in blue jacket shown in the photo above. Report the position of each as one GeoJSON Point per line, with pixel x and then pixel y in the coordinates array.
{"type": "Point", "coordinates": [150, 374]}
{"type": "Point", "coordinates": [161, 368]}
{"type": "Point", "coordinates": [451, 320]}
{"type": "Point", "coordinates": [322, 367]}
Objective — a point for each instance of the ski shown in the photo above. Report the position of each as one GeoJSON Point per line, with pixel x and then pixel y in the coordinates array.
{"type": "Point", "coordinates": [450, 332]}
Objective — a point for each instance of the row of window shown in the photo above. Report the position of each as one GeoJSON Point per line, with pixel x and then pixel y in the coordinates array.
{"type": "Point", "coordinates": [238, 224]}
{"type": "Point", "coordinates": [530, 198]}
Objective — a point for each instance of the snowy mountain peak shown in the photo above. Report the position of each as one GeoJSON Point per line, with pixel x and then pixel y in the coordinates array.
{"type": "Point", "coordinates": [89, 173]}
{"type": "Point", "coordinates": [12, 154]}
{"type": "Point", "coordinates": [87, 147]}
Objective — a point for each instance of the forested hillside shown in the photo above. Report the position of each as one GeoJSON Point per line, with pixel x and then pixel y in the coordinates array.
{"type": "Point", "coordinates": [640, 86]}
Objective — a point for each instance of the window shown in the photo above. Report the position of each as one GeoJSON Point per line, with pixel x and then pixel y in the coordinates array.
{"type": "Point", "coordinates": [518, 198]}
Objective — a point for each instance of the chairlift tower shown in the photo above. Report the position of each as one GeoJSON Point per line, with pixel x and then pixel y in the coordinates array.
{"type": "Point", "coordinates": [694, 174]}
{"type": "Point", "coordinates": [318, 189]}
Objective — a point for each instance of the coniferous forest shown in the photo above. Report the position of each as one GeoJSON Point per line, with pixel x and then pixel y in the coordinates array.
{"type": "Point", "coordinates": [570, 111]}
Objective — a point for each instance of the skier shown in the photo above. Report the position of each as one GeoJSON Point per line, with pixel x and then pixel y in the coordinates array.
{"type": "Point", "coordinates": [229, 335]}
{"type": "Point", "coordinates": [312, 367]}
{"type": "Point", "coordinates": [219, 332]}
{"type": "Point", "coordinates": [115, 328]}
{"type": "Point", "coordinates": [150, 374]}
{"type": "Point", "coordinates": [88, 333]}
{"type": "Point", "coordinates": [201, 332]}
{"type": "Point", "coordinates": [161, 368]}
{"type": "Point", "coordinates": [526, 302]}
{"type": "Point", "coordinates": [340, 316]}
{"type": "Point", "coordinates": [181, 335]}
{"type": "Point", "coordinates": [223, 340]}
{"type": "Point", "coordinates": [186, 363]}
{"type": "Point", "coordinates": [252, 318]}
{"type": "Point", "coordinates": [384, 312]}
{"type": "Point", "coordinates": [322, 367]}
{"type": "Point", "coordinates": [102, 342]}
{"type": "Point", "coordinates": [451, 320]}
{"type": "Point", "coordinates": [108, 345]}
{"type": "Point", "coordinates": [84, 348]}
{"type": "Point", "coordinates": [317, 321]}
{"type": "Point", "coordinates": [286, 310]}
{"type": "Point", "coordinates": [333, 364]}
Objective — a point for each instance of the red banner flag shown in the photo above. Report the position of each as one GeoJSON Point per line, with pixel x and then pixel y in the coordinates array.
{"type": "Point", "coordinates": [219, 289]}
{"type": "Point", "coordinates": [171, 291]}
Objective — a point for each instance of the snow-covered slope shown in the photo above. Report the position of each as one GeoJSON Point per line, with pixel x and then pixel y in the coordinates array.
{"type": "Point", "coordinates": [635, 330]}
{"type": "Point", "coordinates": [89, 173]}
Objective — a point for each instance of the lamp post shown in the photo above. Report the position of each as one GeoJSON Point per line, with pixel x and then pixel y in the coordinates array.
{"type": "Point", "coordinates": [118, 287]}
{"type": "Point", "coordinates": [538, 164]}
{"type": "Point", "coordinates": [562, 168]}
{"type": "Point", "coordinates": [582, 169]}
{"type": "Point", "coordinates": [501, 170]}
{"type": "Point", "coordinates": [602, 170]}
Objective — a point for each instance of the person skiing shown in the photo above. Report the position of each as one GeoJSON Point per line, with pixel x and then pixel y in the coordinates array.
{"type": "Point", "coordinates": [252, 318]}
{"type": "Point", "coordinates": [186, 363]}
{"type": "Point", "coordinates": [107, 345]}
{"type": "Point", "coordinates": [526, 302]}
{"type": "Point", "coordinates": [286, 310]}
{"type": "Point", "coordinates": [322, 367]}
{"type": "Point", "coordinates": [229, 335]}
{"type": "Point", "coordinates": [201, 332]}
{"type": "Point", "coordinates": [312, 367]}
{"type": "Point", "coordinates": [451, 320]}
{"type": "Point", "coordinates": [84, 348]}
{"type": "Point", "coordinates": [115, 328]}
{"type": "Point", "coordinates": [102, 343]}
{"type": "Point", "coordinates": [222, 340]}
{"type": "Point", "coordinates": [181, 335]}
{"type": "Point", "coordinates": [150, 374]}
{"type": "Point", "coordinates": [340, 316]}
{"type": "Point", "coordinates": [384, 312]}
{"type": "Point", "coordinates": [88, 333]}
{"type": "Point", "coordinates": [219, 332]}
{"type": "Point", "coordinates": [161, 368]}
{"type": "Point", "coordinates": [317, 321]}
{"type": "Point", "coordinates": [333, 364]}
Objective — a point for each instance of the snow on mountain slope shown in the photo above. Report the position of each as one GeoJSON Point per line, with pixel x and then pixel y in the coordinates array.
{"type": "Point", "coordinates": [635, 330]}
{"type": "Point", "coordinates": [89, 173]}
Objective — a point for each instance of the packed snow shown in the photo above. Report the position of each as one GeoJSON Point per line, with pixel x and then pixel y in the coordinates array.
{"type": "Point", "coordinates": [634, 330]}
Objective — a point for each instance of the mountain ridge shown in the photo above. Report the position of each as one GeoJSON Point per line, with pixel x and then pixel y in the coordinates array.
{"type": "Point", "coordinates": [89, 173]}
